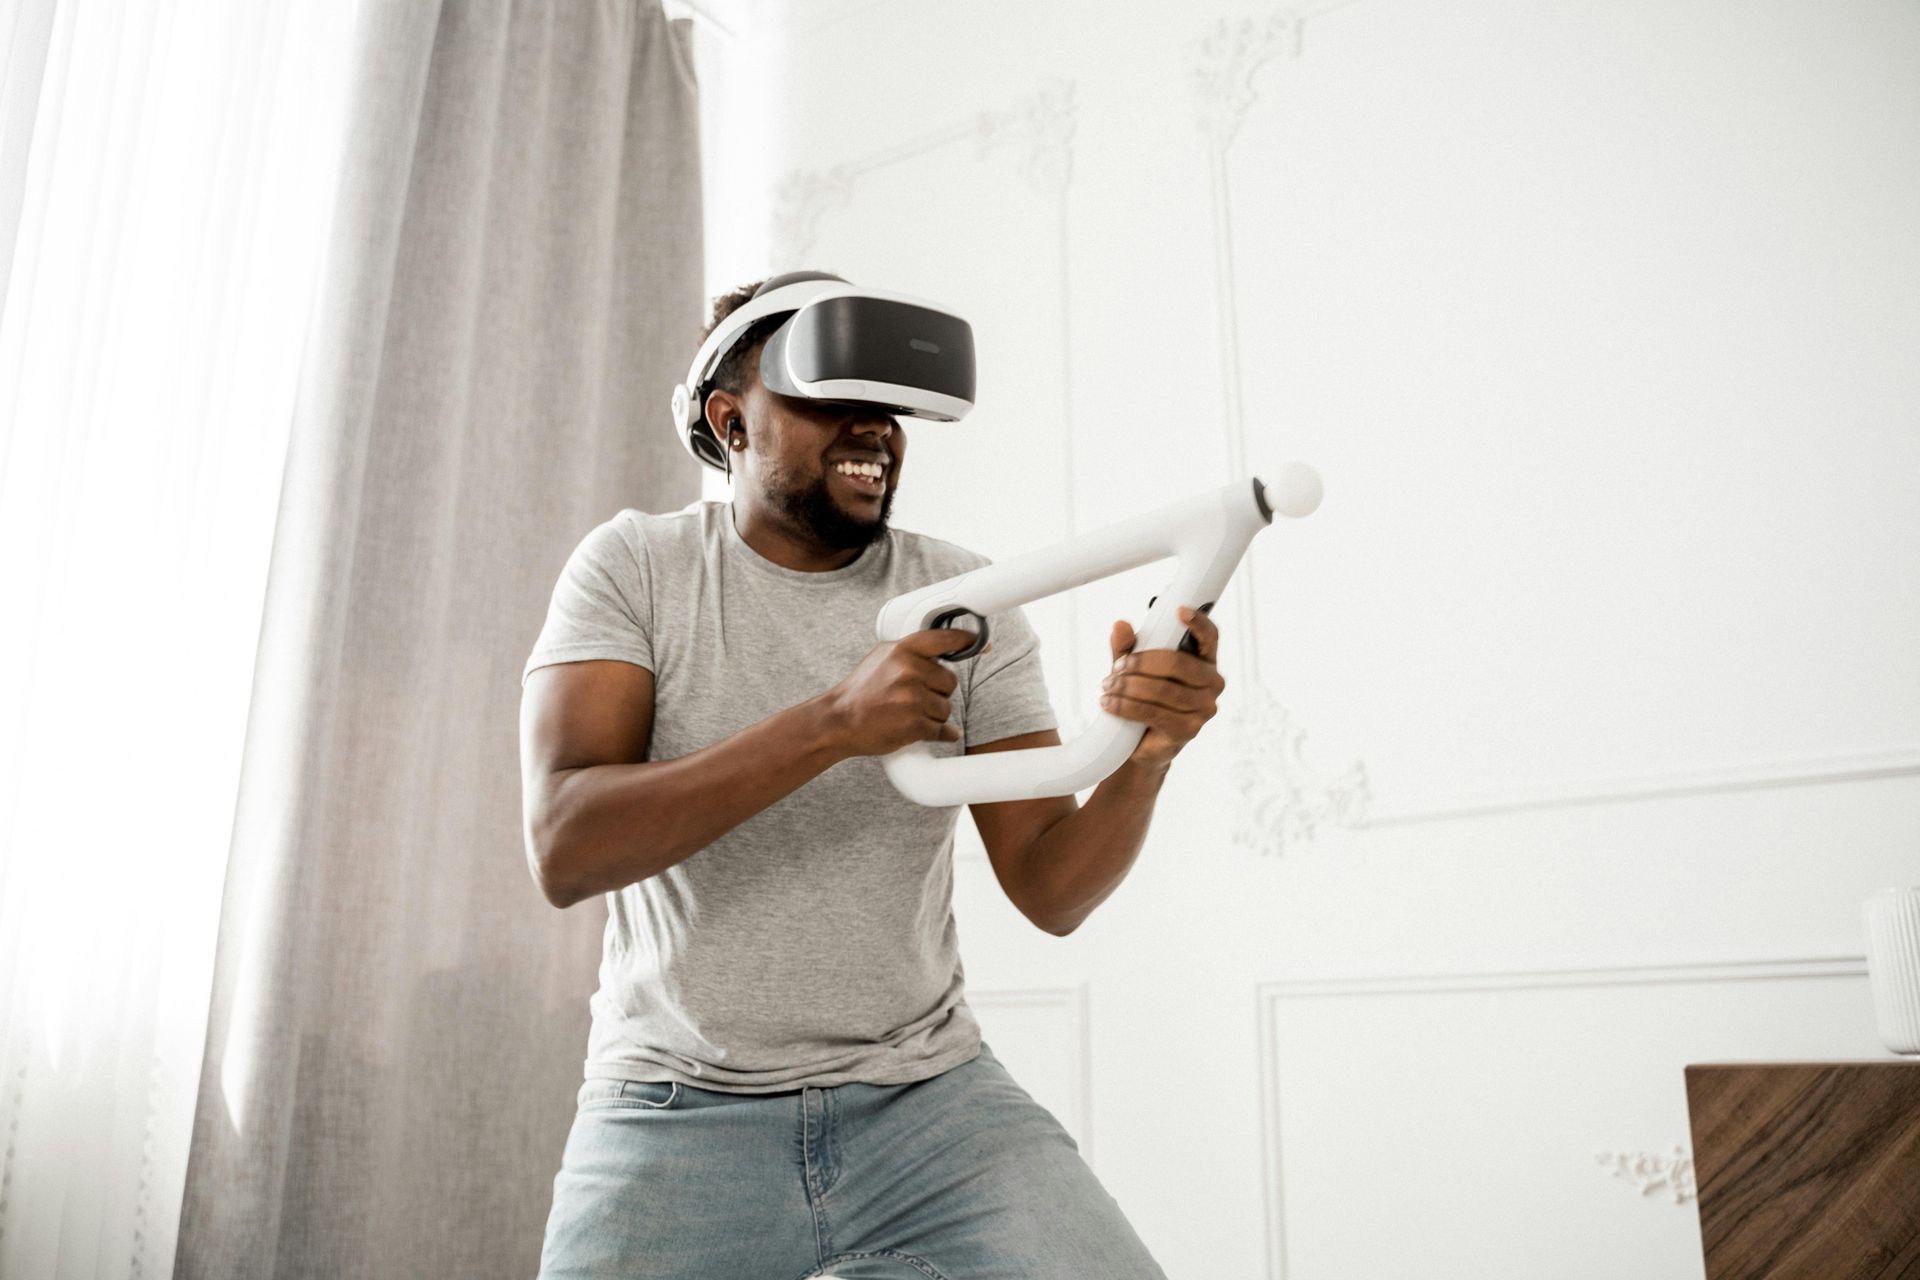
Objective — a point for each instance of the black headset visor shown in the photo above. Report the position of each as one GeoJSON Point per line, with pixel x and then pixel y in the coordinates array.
{"type": "Point", "coordinates": [841, 340]}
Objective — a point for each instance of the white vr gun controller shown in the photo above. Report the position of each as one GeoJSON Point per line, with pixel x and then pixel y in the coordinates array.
{"type": "Point", "coordinates": [1209, 533]}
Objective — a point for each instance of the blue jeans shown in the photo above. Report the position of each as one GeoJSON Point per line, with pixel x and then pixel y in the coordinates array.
{"type": "Point", "coordinates": [959, 1177]}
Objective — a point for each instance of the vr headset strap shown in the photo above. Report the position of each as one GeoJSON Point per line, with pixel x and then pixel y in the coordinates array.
{"type": "Point", "coordinates": [787, 298]}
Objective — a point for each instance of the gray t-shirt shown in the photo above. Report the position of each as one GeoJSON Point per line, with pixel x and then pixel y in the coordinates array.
{"type": "Point", "coordinates": [813, 944]}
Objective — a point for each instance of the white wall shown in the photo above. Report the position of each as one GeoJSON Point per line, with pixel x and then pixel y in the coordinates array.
{"type": "Point", "coordinates": [1562, 745]}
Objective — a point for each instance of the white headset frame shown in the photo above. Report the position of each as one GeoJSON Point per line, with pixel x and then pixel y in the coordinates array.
{"type": "Point", "coordinates": [689, 404]}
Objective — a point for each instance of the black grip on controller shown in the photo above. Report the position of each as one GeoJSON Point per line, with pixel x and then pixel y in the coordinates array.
{"type": "Point", "coordinates": [979, 641]}
{"type": "Point", "coordinates": [1187, 643]}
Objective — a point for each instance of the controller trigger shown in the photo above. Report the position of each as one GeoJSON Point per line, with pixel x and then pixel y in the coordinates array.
{"type": "Point", "coordinates": [1187, 643]}
{"type": "Point", "coordinates": [945, 620]}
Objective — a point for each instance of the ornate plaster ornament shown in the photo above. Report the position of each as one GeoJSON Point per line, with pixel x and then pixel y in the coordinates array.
{"type": "Point", "coordinates": [1283, 801]}
{"type": "Point", "coordinates": [1222, 74]}
{"type": "Point", "coordinates": [1039, 130]}
{"type": "Point", "coordinates": [798, 203]}
{"type": "Point", "coordinates": [1650, 1173]}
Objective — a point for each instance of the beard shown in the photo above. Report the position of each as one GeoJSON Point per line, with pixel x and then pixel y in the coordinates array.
{"type": "Point", "coordinates": [813, 507]}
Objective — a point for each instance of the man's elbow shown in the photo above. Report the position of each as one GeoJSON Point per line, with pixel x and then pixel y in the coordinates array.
{"type": "Point", "coordinates": [1047, 917]}
{"type": "Point", "coordinates": [557, 894]}
{"type": "Point", "coordinates": [549, 873]}
{"type": "Point", "coordinates": [1051, 916]}
{"type": "Point", "coordinates": [1058, 926]}
{"type": "Point", "coordinates": [549, 884]}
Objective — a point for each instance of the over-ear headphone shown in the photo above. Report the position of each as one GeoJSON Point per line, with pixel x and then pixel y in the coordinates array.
{"type": "Point", "coordinates": [779, 295]}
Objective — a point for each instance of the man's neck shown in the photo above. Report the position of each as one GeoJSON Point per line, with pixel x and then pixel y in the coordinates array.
{"type": "Point", "coordinates": [784, 546]}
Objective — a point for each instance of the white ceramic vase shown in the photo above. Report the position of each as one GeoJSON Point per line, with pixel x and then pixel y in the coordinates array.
{"type": "Point", "coordinates": [1893, 965]}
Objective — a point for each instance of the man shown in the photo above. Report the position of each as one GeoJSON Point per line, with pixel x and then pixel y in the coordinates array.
{"type": "Point", "coordinates": [783, 1077]}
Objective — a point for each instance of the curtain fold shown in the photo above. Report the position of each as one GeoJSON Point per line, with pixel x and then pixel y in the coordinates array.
{"type": "Point", "coordinates": [398, 1017]}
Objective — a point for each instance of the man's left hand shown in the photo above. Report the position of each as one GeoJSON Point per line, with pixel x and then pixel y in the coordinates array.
{"type": "Point", "coordinates": [1171, 692]}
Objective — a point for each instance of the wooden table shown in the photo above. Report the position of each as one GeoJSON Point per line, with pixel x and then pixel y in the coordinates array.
{"type": "Point", "coordinates": [1808, 1169]}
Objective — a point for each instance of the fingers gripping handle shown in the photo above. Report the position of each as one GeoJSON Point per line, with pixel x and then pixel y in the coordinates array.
{"type": "Point", "coordinates": [1208, 534]}
{"type": "Point", "coordinates": [951, 618]}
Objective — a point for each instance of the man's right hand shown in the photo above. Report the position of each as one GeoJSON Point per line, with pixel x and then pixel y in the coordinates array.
{"type": "Point", "coordinates": [899, 694]}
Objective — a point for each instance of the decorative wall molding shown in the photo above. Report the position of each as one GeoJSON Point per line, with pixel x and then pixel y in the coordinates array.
{"type": "Point", "coordinates": [1073, 1003]}
{"type": "Point", "coordinates": [1036, 130]}
{"type": "Point", "coordinates": [1270, 996]}
{"type": "Point", "coordinates": [1280, 801]}
{"type": "Point", "coordinates": [1283, 801]}
{"type": "Point", "coordinates": [1650, 1173]}
{"type": "Point", "coordinates": [1865, 767]}
{"type": "Point", "coordinates": [1626, 975]}
{"type": "Point", "coordinates": [1227, 57]}
{"type": "Point", "coordinates": [798, 203]}
{"type": "Point", "coordinates": [1039, 132]}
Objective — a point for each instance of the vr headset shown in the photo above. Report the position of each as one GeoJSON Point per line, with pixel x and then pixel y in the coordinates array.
{"type": "Point", "coordinates": [840, 344]}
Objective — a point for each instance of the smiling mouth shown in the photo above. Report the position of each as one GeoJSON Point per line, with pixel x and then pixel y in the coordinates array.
{"type": "Point", "coordinates": [862, 485]}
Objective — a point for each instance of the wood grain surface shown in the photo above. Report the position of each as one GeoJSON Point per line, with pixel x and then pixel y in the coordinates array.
{"type": "Point", "coordinates": [1807, 1170]}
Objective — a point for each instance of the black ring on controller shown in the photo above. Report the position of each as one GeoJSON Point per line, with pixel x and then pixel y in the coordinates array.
{"type": "Point", "coordinates": [979, 641]}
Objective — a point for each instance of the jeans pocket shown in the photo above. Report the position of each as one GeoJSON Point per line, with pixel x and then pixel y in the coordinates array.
{"type": "Point", "coordinates": [631, 1095]}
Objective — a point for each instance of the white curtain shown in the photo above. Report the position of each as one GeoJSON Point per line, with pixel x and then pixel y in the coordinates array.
{"type": "Point", "coordinates": [166, 174]}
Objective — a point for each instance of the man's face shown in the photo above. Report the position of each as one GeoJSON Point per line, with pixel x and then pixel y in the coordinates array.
{"type": "Point", "coordinates": [801, 445]}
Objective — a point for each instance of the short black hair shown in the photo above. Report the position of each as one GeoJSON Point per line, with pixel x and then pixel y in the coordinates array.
{"type": "Point", "coordinates": [731, 376]}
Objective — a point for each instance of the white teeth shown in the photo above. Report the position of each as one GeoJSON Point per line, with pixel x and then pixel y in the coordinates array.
{"type": "Point", "coordinates": [869, 470]}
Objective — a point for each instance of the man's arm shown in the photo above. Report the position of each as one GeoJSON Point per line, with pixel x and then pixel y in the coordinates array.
{"type": "Point", "coordinates": [1057, 860]}
{"type": "Point", "coordinates": [598, 819]}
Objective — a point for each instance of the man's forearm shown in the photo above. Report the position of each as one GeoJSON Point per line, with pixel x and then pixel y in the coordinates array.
{"type": "Point", "coordinates": [613, 824]}
{"type": "Point", "coordinates": [1077, 862]}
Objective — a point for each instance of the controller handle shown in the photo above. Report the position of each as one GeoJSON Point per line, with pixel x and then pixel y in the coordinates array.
{"type": "Point", "coordinates": [1208, 533]}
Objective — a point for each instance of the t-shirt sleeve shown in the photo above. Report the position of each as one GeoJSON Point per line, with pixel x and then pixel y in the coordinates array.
{"type": "Point", "coordinates": [1007, 695]}
{"type": "Point", "coordinates": [602, 606]}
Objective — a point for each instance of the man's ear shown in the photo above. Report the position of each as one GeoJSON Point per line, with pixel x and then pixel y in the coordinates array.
{"type": "Point", "coordinates": [723, 409]}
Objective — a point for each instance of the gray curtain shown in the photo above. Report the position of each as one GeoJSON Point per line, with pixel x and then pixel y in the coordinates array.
{"type": "Point", "coordinates": [514, 283]}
